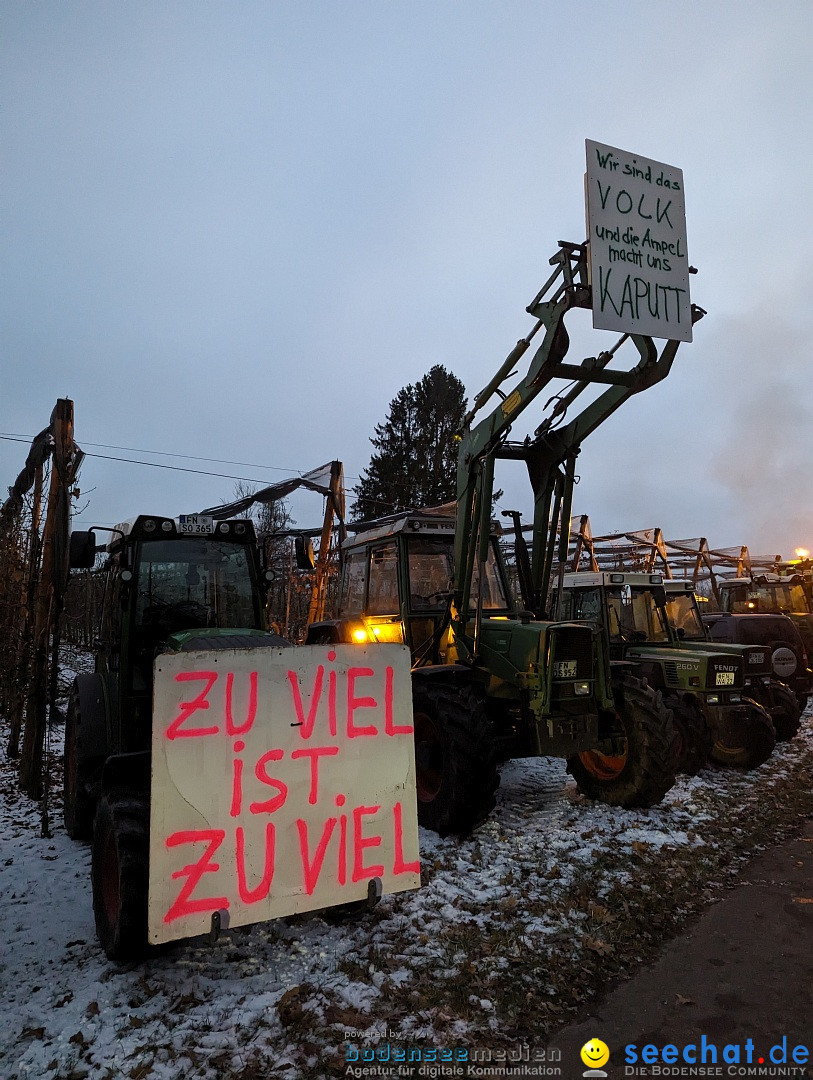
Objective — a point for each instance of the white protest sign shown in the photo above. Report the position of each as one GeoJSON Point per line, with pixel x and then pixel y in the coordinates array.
{"type": "Point", "coordinates": [636, 228]}
{"type": "Point", "coordinates": [283, 780]}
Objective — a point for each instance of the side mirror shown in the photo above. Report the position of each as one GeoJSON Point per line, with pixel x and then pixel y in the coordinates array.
{"type": "Point", "coordinates": [303, 550]}
{"type": "Point", "coordinates": [82, 550]}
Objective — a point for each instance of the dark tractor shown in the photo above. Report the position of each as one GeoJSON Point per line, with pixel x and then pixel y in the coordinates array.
{"type": "Point", "coordinates": [760, 683]}
{"type": "Point", "coordinates": [769, 594]}
{"type": "Point", "coordinates": [789, 660]}
{"type": "Point", "coordinates": [169, 586]}
{"type": "Point", "coordinates": [702, 685]}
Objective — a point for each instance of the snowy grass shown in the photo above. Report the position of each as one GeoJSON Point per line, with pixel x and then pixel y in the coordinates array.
{"type": "Point", "coordinates": [512, 932]}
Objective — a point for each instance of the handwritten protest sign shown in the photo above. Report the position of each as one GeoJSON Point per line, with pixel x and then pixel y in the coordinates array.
{"type": "Point", "coordinates": [636, 226]}
{"type": "Point", "coordinates": [282, 781]}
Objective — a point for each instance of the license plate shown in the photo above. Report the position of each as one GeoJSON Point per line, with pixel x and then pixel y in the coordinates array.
{"type": "Point", "coordinates": [725, 678]}
{"type": "Point", "coordinates": [195, 524]}
{"type": "Point", "coordinates": [564, 669]}
{"type": "Point", "coordinates": [755, 658]}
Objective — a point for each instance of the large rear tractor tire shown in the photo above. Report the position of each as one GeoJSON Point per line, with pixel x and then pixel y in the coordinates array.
{"type": "Point", "coordinates": [78, 805]}
{"type": "Point", "coordinates": [747, 738]}
{"type": "Point", "coordinates": [455, 757]}
{"type": "Point", "coordinates": [120, 871]}
{"type": "Point", "coordinates": [641, 769]}
{"type": "Point", "coordinates": [695, 737]}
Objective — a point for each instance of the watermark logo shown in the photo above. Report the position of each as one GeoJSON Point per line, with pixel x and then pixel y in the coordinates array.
{"type": "Point", "coordinates": [595, 1054]}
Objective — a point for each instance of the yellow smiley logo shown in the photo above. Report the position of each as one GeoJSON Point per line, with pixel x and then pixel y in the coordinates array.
{"type": "Point", "coordinates": [595, 1053]}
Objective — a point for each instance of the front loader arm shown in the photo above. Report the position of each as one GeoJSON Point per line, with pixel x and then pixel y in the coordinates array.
{"type": "Point", "coordinates": [550, 456]}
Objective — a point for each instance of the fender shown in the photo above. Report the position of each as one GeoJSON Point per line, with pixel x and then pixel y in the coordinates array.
{"type": "Point", "coordinates": [131, 771]}
{"type": "Point", "coordinates": [93, 730]}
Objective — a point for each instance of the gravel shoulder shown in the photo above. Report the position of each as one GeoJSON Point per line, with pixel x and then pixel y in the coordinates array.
{"type": "Point", "coordinates": [743, 970]}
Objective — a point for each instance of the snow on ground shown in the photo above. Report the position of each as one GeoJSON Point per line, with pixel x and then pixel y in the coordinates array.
{"type": "Point", "coordinates": [491, 940]}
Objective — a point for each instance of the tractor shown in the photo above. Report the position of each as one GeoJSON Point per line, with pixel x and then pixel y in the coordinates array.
{"type": "Point", "coordinates": [170, 586]}
{"type": "Point", "coordinates": [765, 594]}
{"type": "Point", "coordinates": [706, 687]}
{"type": "Point", "coordinates": [492, 679]}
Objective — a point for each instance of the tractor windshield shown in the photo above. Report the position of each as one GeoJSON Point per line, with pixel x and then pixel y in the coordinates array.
{"type": "Point", "coordinates": [771, 596]}
{"type": "Point", "coordinates": [431, 570]}
{"type": "Point", "coordinates": [431, 565]}
{"type": "Point", "coordinates": [633, 615]}
{"type": "Point", "coordinates": [681, 610]}
{"type": "Point", "coordinates": [631, 612]}
{"type": "Point", "coordinates": [189, 583]}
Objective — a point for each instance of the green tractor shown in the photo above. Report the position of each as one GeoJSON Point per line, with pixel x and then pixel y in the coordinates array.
{"type": "Point", "coordinates": [490, 679]}
{"type": "Point", "coordinates": [707, 688]}
{"type": "Point", "coordinates": [760, 683]}
{"type": "Point", "coordinates": [170, 586]}
{"type": "Point", "coordinates": [539, 687]}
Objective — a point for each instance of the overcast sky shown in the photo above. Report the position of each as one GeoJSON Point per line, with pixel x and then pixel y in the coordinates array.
{"type": "Point", "coordinates": [235, 230]}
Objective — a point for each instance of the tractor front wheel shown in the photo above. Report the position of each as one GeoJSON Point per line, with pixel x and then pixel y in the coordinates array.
{"type": "Point", "coordinates": [455, 758]}
{"type": "Point", "coordinates": [695, 737]}
{"type": "Point", "coordinates": [640, 768]}
{"type": "Point", "coordinates": [782, 705]}
{"type": "Point", "coordinates": [747, 737]}
{"type": "Point", "coordinates": [120, 871]}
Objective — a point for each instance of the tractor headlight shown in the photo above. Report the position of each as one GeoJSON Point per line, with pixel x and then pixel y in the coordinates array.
{"type": "Point", "coordinates": [581, 688]}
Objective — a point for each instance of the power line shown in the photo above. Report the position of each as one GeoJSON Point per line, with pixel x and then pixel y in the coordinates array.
{"type": "Point", "coordinates": [177, 468]}
{"type": "Point", "coordinates": [159, 453]}
{"type": "Point", "coordinates": [10, 437]}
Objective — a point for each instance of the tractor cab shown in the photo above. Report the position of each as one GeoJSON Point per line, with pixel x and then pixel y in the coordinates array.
{"type": "Point", "coordinates": [631, 607]}
{"type": "Point", "coordinates": [397, 586]}
{"type": "Point", "coordinates": [169, 585]}
{"type": "Point", "coordinates": [767, 593]}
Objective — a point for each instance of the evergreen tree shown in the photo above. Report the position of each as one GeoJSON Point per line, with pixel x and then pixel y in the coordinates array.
{"type": "Point", "coordinates": [416, 452]}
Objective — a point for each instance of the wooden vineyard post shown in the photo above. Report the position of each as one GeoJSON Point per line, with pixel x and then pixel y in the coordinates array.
{"type": "Point", "coordinates": [23, 670]}
{"type": "Point", "coordinates": [48, 599]}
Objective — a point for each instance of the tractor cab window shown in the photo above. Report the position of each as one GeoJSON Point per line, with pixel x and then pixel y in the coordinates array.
{"type": "Point", "coordinates": [633, 615]}
{"type": "Point", "coordinates": [681, 610]}
{"type": "Point", "coordinates": [494, 597]}
{"type": "Point", "coordinates": [110, 623]}
{"type": "Point", "coordinates": [187, 584]}
{"type": "Point", "coordinates": [431, 566]}
{"type": "Point", "coordinates": [798, 598]}
{"type": "Point", "coordinates": [776, 596]}
{"type": "Point", "coordinates": [382, 592]}
{"type": "Point", "coordinates": [354, 578]}
{"type": "Point", "coordinates": [581, 605]}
